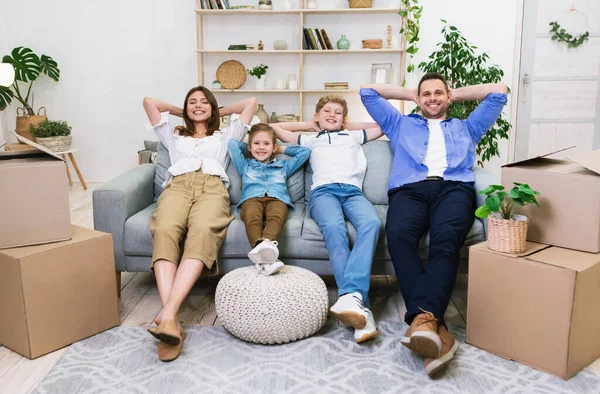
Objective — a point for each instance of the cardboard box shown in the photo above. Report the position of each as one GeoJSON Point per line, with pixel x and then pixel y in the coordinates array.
{"type": "Point", "coordinates": [34, 201]}
{"type": "Point", "coordinates": [539, 308]}
{"type": "Point", "coordinates": [55, 294]}
{"type": "Point", "coordinates": [569, 213]}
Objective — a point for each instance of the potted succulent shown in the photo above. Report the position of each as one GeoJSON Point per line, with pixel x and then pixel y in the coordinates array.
{"type": "Point", "coordinates": [28, 67]}
{"type": "Point", "coordinates": [258, 72]}
{"type": "Point", "coordinates": [507, 232]}
{"type": "Point", "coordinates": [53, 134]}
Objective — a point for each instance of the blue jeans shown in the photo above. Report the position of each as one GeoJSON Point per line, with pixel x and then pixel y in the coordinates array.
{"type": "Point", "coordinates": [329, 205]}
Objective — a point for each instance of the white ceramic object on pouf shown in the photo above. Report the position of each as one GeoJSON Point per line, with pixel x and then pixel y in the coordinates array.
{"type": "Point", "coordinates": [279, 308]}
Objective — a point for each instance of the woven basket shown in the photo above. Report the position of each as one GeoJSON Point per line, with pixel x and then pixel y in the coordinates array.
{"type": "Point", "coordinates": [360, 3]}
{"type": "Point", "coordinates": [508, 236]}
{"type": "Point", "coordinates": [56, 144]}
{"type": "Point", "coordinates": [288, 118]}
{"type": "Point", "coordinates": [231, 74]}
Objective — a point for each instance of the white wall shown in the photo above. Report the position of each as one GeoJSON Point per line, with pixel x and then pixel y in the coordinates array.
{"type": "Point", "coordinates": [113, 53]}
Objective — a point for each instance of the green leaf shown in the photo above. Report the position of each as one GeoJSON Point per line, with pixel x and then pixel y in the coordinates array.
{"type": "Point", "coordinates": [6, 96]}
{"type": "Point", "coordinates": [493, 203]}
{"type": "Point", "coordinates": [482, 212]}
{"type": "Point", "coordinates": [49, 67]}
{"type": "Point", "coordinates": [554, 38]}
{"type": "Point", "coordinates": [26, 64]}
{"type": "Point", "coordinates": [412, 50]}
{"type": "Point", "coordinates": [502, 196]}
{"type": "Point", "coordinates": [491, 188]}
{"type": "Point", "coordinates": [410, 68]}
{"type": "Point", "coordinates": [403, 13]}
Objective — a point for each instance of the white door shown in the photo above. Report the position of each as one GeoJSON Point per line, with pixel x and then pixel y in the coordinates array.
{"type": "Point", "coordinates": [559, 92]}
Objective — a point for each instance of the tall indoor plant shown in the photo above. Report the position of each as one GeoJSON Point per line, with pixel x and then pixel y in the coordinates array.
{"type": "Point", "coordinates": [28, 68]}
{"type": "Point", "coordinates": [457, 60]}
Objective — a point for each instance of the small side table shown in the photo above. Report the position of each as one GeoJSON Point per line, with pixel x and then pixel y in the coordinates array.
{"type": "Point", "coordinates": [70, 154]}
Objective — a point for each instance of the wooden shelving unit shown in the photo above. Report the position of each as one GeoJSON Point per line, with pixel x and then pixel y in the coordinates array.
{"type": "Point", "coordinates": [303, 55]}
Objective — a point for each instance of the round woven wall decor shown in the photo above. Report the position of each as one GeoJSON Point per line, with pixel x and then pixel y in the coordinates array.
{"type": "Point", "coordinates": [231, 74]}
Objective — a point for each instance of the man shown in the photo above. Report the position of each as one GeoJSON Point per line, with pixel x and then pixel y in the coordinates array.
{"type": "Point", "coordinates": [431, 188]}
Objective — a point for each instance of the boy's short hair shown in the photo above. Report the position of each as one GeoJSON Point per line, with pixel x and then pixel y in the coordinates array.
{"type": "Point", "coordinates": [332, 98]}
{"type": "Point", "coordinates": [432, 75]}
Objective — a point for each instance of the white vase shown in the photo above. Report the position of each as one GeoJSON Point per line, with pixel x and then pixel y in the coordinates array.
{"type": "Point", "coordinates": [311, 4]}
{"type": "Point", "coordinates": [261, 82]}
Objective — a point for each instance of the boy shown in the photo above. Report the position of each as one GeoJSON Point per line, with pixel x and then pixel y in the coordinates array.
{"type": "Point", "coordinates": [339, 165]}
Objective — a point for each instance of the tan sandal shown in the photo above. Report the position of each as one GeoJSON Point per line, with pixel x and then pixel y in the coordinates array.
{"type": "Point", "coordinates": [166, 332]}
{"type": "Point", "coordinates": [168, 352]}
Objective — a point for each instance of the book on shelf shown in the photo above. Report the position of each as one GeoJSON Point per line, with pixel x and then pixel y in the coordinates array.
{"type": "Point", "coordinates": [213, 4]}
{"type": "Point", "coordinates": [320, 39]}
{"type": "Point", "coordinates": [241, 47]}
{"type": "Point", "coordinates": [304, 42]}
{"type": "Point", "coordinates": [226, 4]}
{"type": "Point", "coordinates": [326, 38]}
{"type": "Point", "coordinates": [336, 87]}
{"type": "Point", "coordinates": [307, 39]}
{"type": "Point", "coordinates": [313, 40]}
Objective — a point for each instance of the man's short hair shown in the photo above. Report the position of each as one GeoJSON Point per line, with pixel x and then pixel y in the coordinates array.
{"type": "Point", "coordinates": [429, 76]}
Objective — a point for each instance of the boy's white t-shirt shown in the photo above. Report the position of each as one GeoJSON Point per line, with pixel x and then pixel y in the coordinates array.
{"type": "Point", "coordinates": [435, 158]}
{"type": "Point", "coordinates": [336, 157]}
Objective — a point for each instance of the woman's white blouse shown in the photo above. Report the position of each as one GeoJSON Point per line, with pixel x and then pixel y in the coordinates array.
{"type": "Point", "coordinates": [188, 154]}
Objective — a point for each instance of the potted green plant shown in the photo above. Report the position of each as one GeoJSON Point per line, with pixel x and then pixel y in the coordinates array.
{"type": "Point", "coordinates": [258, 72]}
{"type": "Point", "coordinates": [507, 232]}
{"type": "Point", "coordinates": [28, 67]}
{"type": "Point", "coordinates": [457, 59]}
{"type": "Point", "coordinates": [53, 134]}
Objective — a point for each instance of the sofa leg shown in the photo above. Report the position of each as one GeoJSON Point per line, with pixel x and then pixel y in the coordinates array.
{"type": "Point", "coordinates": [118, 276]}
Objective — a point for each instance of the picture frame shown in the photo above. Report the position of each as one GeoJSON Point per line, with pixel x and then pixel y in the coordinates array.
{"type": "Point", "coordinates": [381, 73]}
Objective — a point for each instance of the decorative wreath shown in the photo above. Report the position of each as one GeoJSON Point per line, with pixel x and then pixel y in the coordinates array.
{"type": "Point", "coordinates": [561, 35]}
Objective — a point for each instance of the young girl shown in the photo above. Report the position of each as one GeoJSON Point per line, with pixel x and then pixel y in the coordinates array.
{"type": "Point", "coordinates": [339, 165]}
{"type": "Point", "coordinates": [264, 191]}
{"type": "Point", "coordinates": [194, 203]}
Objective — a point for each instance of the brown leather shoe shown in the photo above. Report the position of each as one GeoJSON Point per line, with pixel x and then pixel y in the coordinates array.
{"type": "Point", "coordinates": [449, 347]}
{"type": "Point", "coordinates": [422, 336]}
{"type": "Point", "coordinates": [167, 352]}
{"type": "Point", "coordinates": [167, 332]}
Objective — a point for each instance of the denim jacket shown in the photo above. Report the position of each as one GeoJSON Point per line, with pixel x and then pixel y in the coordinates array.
{"type": "Point", "coordinates": [260, 179]}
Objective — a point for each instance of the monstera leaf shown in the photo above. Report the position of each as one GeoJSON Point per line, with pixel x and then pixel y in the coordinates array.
{"type": "Point", "coordinates": [49, 67]}
{"type": "Point", "coordinates": [5, 97]}
{"type": "Point", "coordinates": [26, 63]}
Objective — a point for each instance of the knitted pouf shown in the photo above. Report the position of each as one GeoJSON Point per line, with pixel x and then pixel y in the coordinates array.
{"type": "Point", "coordinates": [289, 305]}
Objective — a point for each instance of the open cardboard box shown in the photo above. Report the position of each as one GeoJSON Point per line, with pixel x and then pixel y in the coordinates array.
{"type": "Point", "coordinates": [539, 307]}
{"type": "Point", "coordinates": [34, 197]}
{"type": "Point", "coordinates": [569, 213]}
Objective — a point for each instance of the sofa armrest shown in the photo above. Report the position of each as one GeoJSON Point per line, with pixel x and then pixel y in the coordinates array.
{"type": "Point", "coordinates": [118, 200]}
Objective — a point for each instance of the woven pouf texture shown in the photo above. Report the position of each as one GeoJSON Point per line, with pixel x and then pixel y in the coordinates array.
{"type": "Point", "coordinates": [289, 305]}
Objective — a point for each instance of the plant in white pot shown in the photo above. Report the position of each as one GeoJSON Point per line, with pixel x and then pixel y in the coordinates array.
{"type": "Point", "coordinates": [259, 72]}
{"type": "Point", "coordinates": [28, 68]}
{"type": "Point", "coordinates": [53, 134]}
{"type": "Point", "coordinates": [507, 232]}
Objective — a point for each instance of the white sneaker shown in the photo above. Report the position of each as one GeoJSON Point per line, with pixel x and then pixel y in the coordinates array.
{"type": "Point", "coordinates": [370, 330]}
{"type": "Point", "coordinates": [270, 269]}
{"type": "Point", "coordinates": [265, 252]}
{"type": "Point", "coordinates": [350, 311]}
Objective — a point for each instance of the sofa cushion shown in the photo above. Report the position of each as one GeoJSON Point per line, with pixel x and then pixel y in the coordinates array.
{"type": "Point", "coordinates": [163, 162]}
{"type": "Point", "coordinates": [138, 239]}
{"type": "Point", "coordinates": [312, 232]}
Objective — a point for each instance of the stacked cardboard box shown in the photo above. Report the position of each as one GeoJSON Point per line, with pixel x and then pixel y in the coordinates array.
{"type": "Point", "coordinates": [541, 307]}
{"type": "Point", "coordinates": [57, 281]}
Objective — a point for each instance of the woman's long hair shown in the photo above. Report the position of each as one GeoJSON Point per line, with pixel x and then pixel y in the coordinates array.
{"type": "Point", "coordinates": [212, 124]}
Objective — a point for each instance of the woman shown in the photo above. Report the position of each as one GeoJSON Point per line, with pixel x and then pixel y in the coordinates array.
{"type": "Point", "coordinates": [194, 203]}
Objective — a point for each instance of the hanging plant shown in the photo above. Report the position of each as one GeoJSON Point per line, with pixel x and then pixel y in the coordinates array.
{"type": "Point", "coordinates": [561, 35]}
{"type": "Point", "coordinates": [411, 14]}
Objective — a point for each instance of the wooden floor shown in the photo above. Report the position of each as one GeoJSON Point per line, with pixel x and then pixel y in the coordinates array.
{"type": "Point", "coordinates": [140, 303]}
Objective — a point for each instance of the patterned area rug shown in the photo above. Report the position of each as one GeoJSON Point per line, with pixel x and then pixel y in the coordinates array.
{"type": "Point", "coordinates": [123, 360]}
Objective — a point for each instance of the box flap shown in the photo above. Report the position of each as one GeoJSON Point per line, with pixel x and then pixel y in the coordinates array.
{"type": "Point", "coordinates": [537, 157]}
{"type": "Point", "coordinates": [566, 258]}
{"type": "Point", "coordinates": [532, 247]}
{"type": "Point", "coordinates": [28, 152]}
{"type": "Point", "coordinates": [589, 160]}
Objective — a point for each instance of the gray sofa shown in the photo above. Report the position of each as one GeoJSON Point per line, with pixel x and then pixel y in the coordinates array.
{"type": "Point", "coordinates": [123, 207]}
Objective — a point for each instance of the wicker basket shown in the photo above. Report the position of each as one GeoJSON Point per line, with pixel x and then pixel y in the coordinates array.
{"type": "Point", "coordinates": [508, 236]}
{"type": "Point", "coordinates": [360, 3]}
{"type": "Point", "coordinates": [231, 74]}
{"type": "Point", "coordinates": [288, 118]}
{"type": "Point", "coordinates": [56, 144]}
